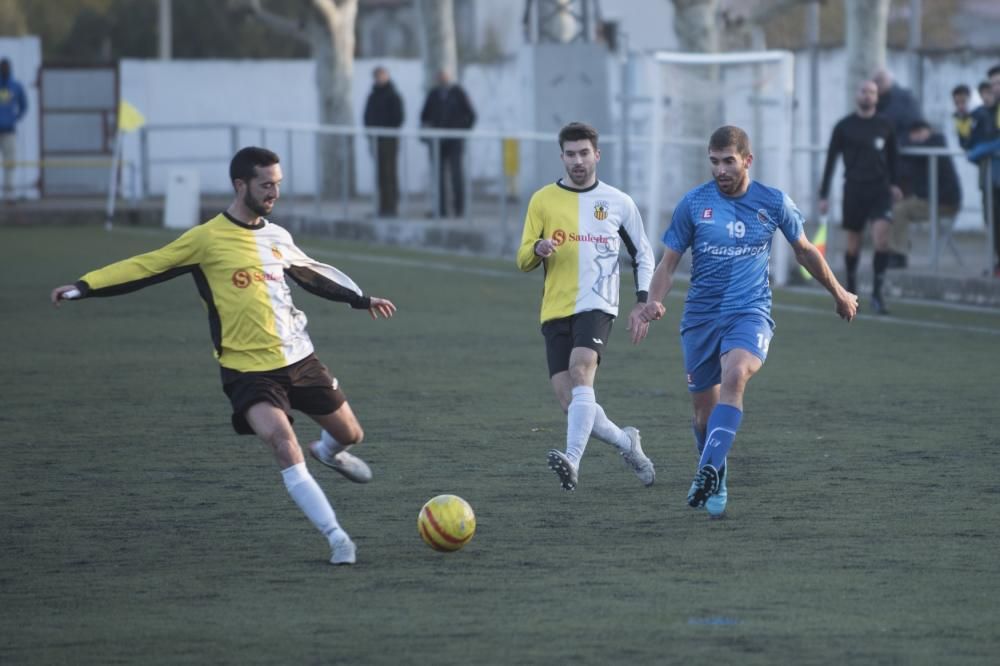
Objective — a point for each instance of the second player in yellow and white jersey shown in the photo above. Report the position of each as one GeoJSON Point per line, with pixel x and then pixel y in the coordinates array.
{"type": "Point", "coordinates": [590, 226]}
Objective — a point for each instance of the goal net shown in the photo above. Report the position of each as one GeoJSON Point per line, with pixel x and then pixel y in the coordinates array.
{"type": "Point", "coordinates": [693, 95]}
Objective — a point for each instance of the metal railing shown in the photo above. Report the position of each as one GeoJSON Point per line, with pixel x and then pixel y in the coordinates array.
{"type": "Point", "coordinates": [492, 185]}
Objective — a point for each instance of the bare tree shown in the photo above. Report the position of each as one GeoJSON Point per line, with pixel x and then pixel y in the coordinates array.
{"type": "Point", "coordinates": [438, 46]}
{"type": "Point", "coordinates": [327, 27]}
{"type": "Point", "coordinates": [866, 27]}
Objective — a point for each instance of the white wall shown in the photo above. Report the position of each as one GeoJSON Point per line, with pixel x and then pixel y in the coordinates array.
{"type": "Point", "coordinates": [284, 91]}
{"type": "Point", "coordinates": [210, 92]}
{"type": "Point", "coordinates": [25, 55]}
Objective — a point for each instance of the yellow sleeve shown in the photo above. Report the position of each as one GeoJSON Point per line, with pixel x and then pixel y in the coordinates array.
{"type": "Point", "coordinates": [534, 228]}
{"type": "Point", "coordinates": [176, 258]}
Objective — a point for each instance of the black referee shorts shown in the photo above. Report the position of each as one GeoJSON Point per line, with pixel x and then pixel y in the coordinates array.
{"type": "Point", "coordinates": [865, 202]}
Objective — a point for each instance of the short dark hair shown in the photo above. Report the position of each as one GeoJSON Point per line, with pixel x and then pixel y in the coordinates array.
{"type": "Point", "coordinates": [995, 69]}
{"type": "Point", "coordinates": [577, 131]}
{"type": "Point", "coordinates": [246, 160]}
{"type": "Point", "coordinates": [961, 89]}
{"type": "Point", "coordinates": [918, 124]}
{"type": "Point", "coordinates": [730, 135]}
{"type": "Point", "coordinates": [983, 85]}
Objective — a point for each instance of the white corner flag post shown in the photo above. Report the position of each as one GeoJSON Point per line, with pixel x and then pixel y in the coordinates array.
{"type": "Point", "coordinates": [129, 120]}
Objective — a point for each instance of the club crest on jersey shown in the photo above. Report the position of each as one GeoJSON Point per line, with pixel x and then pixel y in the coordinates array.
{"type": "Point", "coordinates": [558, 237]}
{"type": "Point", "coordinates": [706, 214]}
{"type": "Point", "coordinates": [763, 217]}
{"type": "Point", "coordinates": [275, 252]}
{"type": "Point", "coordinates": [601, 210]}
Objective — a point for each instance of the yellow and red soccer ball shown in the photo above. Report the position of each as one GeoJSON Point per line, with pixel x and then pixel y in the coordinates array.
{"type": "Point", "coordinates": [446, 522]}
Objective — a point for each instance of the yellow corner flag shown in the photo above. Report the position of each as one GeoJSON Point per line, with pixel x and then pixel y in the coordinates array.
{"type": "Point", "coordinates": [129, 117]}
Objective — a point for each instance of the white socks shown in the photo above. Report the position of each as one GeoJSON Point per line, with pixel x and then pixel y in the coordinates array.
{"type": "Point", "coordinates": [606, 431]}
{"type": "Point", "coordinates": [585, 418]}
{"type": "Point", "coordinates": [579, 422]}
{"type": "Point", "coordinates": [310, 498]}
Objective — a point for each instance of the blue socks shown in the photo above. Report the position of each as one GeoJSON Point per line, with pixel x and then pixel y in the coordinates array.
{"type": "Point", "coordinates": [722, 426]}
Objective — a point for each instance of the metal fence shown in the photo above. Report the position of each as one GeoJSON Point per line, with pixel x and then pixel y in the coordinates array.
{"type": "Point", "coordinates": [500, 172]}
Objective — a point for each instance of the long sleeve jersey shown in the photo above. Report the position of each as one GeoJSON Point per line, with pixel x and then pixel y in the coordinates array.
{"type": "Point", "coordinates": [590, 226]}
{"type": "Point", "coordinates": [869, 149]}
{"type": "Point", "coordinates": [240, 273]}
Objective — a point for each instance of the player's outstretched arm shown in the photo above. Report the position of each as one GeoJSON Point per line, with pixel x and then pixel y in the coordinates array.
{"type": "Point", "coordinates": [381, 306]}
{"type": "Point", "coordinates": [812, 260]}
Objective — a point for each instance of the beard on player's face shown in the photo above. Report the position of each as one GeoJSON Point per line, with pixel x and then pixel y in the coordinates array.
{"type": "Point", "coordinates": [261, 206]}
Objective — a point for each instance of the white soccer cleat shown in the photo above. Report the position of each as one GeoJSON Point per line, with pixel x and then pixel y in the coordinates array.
{"type": "Point", "coordinates": [564, 469]}
{"type": "Point", "coordinates": [348, 464]}
{"type": "Point", "coordinates": [343, 549]}
{"type": "Point", "coordinates": [636, 459]}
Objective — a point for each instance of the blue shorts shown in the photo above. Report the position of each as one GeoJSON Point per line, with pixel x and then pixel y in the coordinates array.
{"type": "Point", "coordinates": [705, 342]}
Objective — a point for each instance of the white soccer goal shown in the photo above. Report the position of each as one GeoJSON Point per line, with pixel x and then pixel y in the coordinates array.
{"type": "Point", "coordinates": [694, 94]}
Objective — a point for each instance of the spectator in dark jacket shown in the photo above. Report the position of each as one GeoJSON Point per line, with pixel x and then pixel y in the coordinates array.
{"type": "Point", "coordinates": [448, 107]}
{"type": "Point", "coordinates": [984, 147]}
{"type": "Point", "coordinates": [915, 206]}
{"type": "Point", "coordinates": [897, 104]}
{"type": "Point", "coordinates": [385, 109]}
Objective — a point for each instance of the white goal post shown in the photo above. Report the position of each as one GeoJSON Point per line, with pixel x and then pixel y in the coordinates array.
{"type": "Point", "coordinates": [694, 94]}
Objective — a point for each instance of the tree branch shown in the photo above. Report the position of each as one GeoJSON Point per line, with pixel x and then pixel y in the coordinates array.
{"type": "Point", "coordinates": [286, 26]}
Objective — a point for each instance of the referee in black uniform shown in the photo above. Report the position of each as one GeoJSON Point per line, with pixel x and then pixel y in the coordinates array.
{"type": "Point", "coordinates": [868, 144]}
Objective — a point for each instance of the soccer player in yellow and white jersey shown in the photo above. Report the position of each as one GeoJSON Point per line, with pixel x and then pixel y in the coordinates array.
{"type": "Point", "coordinates": [575, 228]}
{"type": "Point", "coordinates": [239, 262]}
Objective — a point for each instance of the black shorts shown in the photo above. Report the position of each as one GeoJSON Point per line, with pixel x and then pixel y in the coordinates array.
{"type": "Point", "coordinates": [590, 329]}
{"type": "Point", "coordinates": [306, 386]}
{"type": "Point", "coordinates": [864, 202]}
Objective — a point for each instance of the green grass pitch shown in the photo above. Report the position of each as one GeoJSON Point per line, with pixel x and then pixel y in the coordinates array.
{"type": "Point", "coordinates": [137, 528]}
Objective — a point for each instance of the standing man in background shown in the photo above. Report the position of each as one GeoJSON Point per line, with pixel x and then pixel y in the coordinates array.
{"type": "Point", "coordinates": [384, 108]}
{"type": "Point", "coordinates": [575, 228]}
{"type": "Point", "coordinates": [448, 107]}
{"type": "Point", "coordinates": [13, 105]}
{"type": "Point", "coordinates": [896, 103]}
{"type": "Point", "coordinates": [868, 144]}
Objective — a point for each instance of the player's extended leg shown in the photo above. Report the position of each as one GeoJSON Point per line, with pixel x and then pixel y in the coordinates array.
{"type": "Point", "coordinates": [341, 431]}
{"type": "Point", "coordinates": [271, 424]}
{"type": "Point", "coordinates": [881, 233]}
{"type": "Point", "coordinates": [738, 366]}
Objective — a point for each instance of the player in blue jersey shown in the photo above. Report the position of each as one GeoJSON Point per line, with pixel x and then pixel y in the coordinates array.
{"type": "Point", "coordinates": [728, 224]}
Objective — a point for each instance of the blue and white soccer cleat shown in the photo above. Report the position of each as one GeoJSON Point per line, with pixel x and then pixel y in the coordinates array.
{"type": "Point", "coordinates": [716, 504]}
{"type": "Point", "coordinates": [705, 484]}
